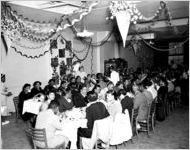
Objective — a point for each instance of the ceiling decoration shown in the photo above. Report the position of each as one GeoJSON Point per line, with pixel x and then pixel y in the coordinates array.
{"type": "Point", "coordinates": [18, 26]}
{"type": "Point", "coordinates": [62, 7]}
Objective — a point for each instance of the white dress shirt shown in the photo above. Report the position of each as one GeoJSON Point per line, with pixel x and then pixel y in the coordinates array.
{"type": "Point", "coordinates": [51, 122]}
{"type": "Point", "coordinates": [114, 77]}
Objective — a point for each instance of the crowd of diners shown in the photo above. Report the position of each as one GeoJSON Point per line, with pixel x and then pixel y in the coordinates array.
{"type": "Point", "coordinates": [102, 96]}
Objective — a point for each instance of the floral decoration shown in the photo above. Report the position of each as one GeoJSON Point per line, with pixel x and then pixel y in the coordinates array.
{"type": "Point", "coordinates": [136, 15]}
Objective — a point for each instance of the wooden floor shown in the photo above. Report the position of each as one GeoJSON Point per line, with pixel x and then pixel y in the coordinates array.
{"type": "Point", "coordinates": [173, 133]}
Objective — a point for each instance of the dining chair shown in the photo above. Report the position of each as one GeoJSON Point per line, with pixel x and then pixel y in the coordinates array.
{"type": "Point", "coordinates": [101, 135]}
{"type": "Point", "coordinates": [39, 139]}
{"type": "Point", "coordinates": [152, 115]}
{"type": "Point", "coordinates": [16, 101]}
{"type": "Point", "coordinates": [134, 121]}
{"type": "Point", "coordinates": [150, 120]}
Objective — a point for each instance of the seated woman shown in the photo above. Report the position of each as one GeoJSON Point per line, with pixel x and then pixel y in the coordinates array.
{"type": "Point", "coordinates": [45, 104]}
{"type": "Point", "coordinates": [63, 85]}
{"type": "Point", "coordinates": [65, 102]}
{"type": "Point", "coordinates": [36, 88]}
{"type": "Point", "coordinates": [119, 86]}
{"type": "Point", "coordinates": [24, 95]}
{"type": "Point", "coordinates": [126, 101]}
{"type": "Point", "coordinates": [113, 105]}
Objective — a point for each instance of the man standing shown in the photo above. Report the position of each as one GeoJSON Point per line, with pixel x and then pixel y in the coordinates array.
{"type": "Point", "coordinates": [114, 76]}
{"type": "Point", "coordinates": [51, 122]}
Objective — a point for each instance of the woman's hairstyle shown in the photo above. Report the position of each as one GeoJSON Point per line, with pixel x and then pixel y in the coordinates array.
{"type": "Point", "coordinates": [109, 83]}
{"type": "Point", "coordinates": [50, 92]}
{"type": "Point", "coordinates": [72, 78]}
{"type": "Point", "coordinates": [67, 90]}
{"type": "Point", "coordinates": [92, 96]}
{"type": "Point", "coordinates": [39, 95]}
{"type": "Point", "coordinates": [113, 93]}
{"type": "Point", "coordinates": [53, 104]}
{"type": "Point", "coordinates": [96, 86]}
{"type": "Point", "coordinates": [110, 92]}
{"type": "Point", "coordinates": [146, 82]}
{"type": "Point", "coordinates": [119, 83]}
{"type": "Point", "coordinates": [78, 77]}
{"type": "Point", "coordinates": [36, 82]}
{"type": "Point", "coordinates": [82, 86]}
{"type": "Point", "coordinates": [51, 80]}
{"type": "Point", "coordinates": [63, 82]}
{"type": "Point", "coordinates": [121, 91]}
{"type": "Point", "coordinates": [81, 67]}
{"type": "Point", "coordinates": [25, 85]}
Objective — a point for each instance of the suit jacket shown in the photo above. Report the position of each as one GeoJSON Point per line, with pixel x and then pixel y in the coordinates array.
{"type": "Point", "coordinates": [79, 100]}
{"type": "Point", "coordinates": [141, 103]}
{"type": "Point", "coordinates": [64, 104]}
{"type": "Point", "coordinates": [127, 103]}
{"type": "Point", "coordinates": [94, 112]}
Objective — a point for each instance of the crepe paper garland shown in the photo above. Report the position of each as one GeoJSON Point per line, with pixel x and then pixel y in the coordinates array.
{"type": "Point", "coordinates": [27, 47]}
{"type": "Point", "coordinates": [62, 27]}
{"type": "Point", "coordinates": [31, 57]}
{"type": "Point", "coordinates": [30, 33]}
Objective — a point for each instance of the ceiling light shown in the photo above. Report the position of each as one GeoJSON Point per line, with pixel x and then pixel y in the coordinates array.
{"type": "Point", "coordinates": [85, 33]}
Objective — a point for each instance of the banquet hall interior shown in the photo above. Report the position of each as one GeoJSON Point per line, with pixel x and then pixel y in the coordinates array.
{"type": "Point", "coordinates": [94, 74]}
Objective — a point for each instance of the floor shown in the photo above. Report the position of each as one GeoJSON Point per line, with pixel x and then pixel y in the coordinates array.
{"type": "Point", "coordinates": [172, 133]}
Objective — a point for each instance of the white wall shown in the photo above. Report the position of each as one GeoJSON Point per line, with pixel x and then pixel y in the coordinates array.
{"type": "Point", "coordinates": [20, 70]}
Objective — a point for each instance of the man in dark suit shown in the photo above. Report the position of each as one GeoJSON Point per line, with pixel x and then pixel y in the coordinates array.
{"type": "Point", "coordinates": [79, 99]}
{"type": "Point", "coordinates": [126, 101]}
{"type": "Point", "coordinates": [94, 111]}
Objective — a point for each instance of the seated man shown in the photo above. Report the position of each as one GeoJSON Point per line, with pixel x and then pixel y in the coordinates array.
{"type": "Point", "coordinates": [79, 99]}
{"type": "Point", "coordinates": [50, 121]}
{"type": "Point", "coordinates": [94, 111]}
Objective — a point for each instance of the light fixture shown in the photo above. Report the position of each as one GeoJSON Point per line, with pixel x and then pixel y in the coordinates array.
{"type": "Point", "coordinates": [85, 33]}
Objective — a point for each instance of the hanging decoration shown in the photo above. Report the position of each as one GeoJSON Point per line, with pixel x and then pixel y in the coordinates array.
{"type": "Point", "coordinates": [29, 56]}
{"type": "Point", "coordinates": [136, 15]}
{"type": "Point", "coordinates": [36, 31]}
{"type": "Point", "coordinates": [118, 6]}
{"type": "Point", "coordinates": [126, 12]}
{"type": "Point", "coordinates": [123, 24]}
{"type": "Point", "coordinates": [4, 42]}
{"type": "Point", "coordinates": [160, 49]}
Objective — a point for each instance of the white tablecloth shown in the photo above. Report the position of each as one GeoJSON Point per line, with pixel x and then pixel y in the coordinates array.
{"type": "Point", "coordinates": [74, 120]}
{"type": "Point", "coordinates": [31, 106]}
{"type": "Point", "coordinates": [109, 130]}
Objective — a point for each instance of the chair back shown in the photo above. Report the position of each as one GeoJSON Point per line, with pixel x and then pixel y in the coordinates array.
{"type": "Point", "coordinates": [16, 101]}
{"type": "Point", "coordinates": [134, 115]}
{"type": "Point", "coordinates": [152, 109]}
{"type": "Point", "coordinates": [39, 138]}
